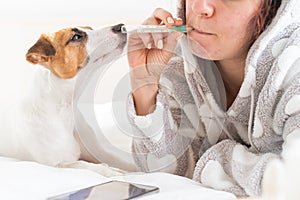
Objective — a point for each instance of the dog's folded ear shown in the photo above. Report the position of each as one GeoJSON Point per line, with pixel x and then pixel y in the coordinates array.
{"type": "Point", "coordinates": [86, 27]}
{"type": "Point", "coordinates": [40, 52]}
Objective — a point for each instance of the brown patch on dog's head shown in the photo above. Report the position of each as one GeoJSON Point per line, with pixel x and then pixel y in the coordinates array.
{"type": "Point", "coordinates": [63, 52]}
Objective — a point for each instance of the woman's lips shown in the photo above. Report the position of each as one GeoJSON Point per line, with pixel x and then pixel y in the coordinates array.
{"type": "Point", "coordinates": [202, 32]}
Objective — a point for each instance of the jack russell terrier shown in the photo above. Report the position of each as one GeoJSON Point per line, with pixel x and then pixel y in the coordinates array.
{"type": "Point", "coordinates": [41, 126]}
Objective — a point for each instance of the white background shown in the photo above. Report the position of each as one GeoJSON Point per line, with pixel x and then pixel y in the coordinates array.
{"type": "Point", "coordinates": [41, 9]}
{"type": "Point", "coordinates": [22, 22]}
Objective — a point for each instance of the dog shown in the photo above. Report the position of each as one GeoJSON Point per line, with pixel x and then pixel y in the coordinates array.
{"type": "Point", "coordinates": [40, 127]}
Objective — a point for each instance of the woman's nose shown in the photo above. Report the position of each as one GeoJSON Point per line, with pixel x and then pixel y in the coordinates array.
{"type": "Point", "coordinates": [203, 8]}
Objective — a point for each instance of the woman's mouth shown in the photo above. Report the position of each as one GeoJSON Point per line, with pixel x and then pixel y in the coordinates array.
{"type": "Point", "coordinates": [201, 32]}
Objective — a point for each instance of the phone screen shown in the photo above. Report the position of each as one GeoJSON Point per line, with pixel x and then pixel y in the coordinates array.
{"type": "Point", "coordinates": [113, 190]}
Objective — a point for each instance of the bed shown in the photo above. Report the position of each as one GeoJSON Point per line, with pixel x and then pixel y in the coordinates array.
{"type": "Point", "coordinates": [32, 181]}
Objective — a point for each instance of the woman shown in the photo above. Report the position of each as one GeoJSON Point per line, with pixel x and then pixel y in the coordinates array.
{"type": "Point", "coordinates": [218, 103]}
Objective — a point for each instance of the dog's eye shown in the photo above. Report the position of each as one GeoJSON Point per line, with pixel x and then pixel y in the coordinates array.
{"type": "Point", "coordinates": [76, 37]}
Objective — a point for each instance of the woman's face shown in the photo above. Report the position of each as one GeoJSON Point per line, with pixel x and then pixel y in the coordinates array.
{"type": "Point", "coordinates": [221, 27]}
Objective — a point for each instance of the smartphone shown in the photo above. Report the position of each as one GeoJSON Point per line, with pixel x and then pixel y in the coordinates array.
{"type": "Point", "coordinates": [112, 190]}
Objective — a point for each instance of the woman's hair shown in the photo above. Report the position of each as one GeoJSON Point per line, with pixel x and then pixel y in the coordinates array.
{"type": "Point", "coordinates": [258, 23]}
{"type": "Point", "coordinates": [263, 17]}
{"type": "Point", "coordinates": [181, 10]}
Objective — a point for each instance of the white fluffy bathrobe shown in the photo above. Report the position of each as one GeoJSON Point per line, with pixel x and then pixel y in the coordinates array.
{"type": "Point", "coordinates": [191, 133]}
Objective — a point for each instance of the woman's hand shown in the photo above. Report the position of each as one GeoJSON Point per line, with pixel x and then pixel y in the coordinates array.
{"type": "Point", "coordinates": [148, 55]}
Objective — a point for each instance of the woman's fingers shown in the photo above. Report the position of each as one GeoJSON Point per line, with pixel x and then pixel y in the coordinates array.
{"type": "Point", "coordinates": [163, 17]}
{"type": "Point", "coordinates": [147, 38]}
{"type": "Point", "coordinates": [159, 17]}
{"type": "Point", "coordinates": [178, 22]}
{"type": "Point", "coordinates": [145, 48]}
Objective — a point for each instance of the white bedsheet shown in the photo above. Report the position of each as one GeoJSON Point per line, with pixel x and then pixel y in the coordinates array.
{"type": "Point", "coordinates": [22, 180]}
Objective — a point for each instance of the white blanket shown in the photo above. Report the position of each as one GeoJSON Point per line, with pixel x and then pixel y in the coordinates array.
{"type": "Point", "coordinates": [32, 181]}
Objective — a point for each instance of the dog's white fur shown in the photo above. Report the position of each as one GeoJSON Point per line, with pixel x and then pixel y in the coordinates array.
{"type": "Point", "coordinates": [40, 127]}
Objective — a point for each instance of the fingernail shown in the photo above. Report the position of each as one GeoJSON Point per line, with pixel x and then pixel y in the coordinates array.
{"type": "Point", "coordinates": [160, 44]}
{"type": "Point", "coordinates": [170, 20]}
{"type": "Point", "coordinates": [149, 46]}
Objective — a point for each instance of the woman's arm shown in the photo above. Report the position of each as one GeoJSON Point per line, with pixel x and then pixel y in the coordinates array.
{"type": "Point", "coordinates": [168, 139]}
{"type": "Point", "coordinates": [148, 54]}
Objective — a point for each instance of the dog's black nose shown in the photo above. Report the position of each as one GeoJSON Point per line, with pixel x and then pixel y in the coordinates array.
{"type": "Point", "coordinates": [117, 28]}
